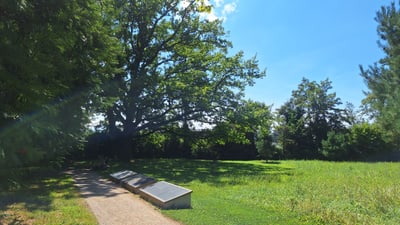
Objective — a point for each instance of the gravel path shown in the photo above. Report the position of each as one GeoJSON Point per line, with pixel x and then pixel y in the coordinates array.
{"type": "Point", "coordinates": [113, 205]}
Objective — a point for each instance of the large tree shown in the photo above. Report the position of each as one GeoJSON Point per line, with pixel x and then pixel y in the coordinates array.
{"type": "Point", "coordinates": [53, 55]}
{"type": "Point", "coordinates": [307, 117]}
{"type": "Point", "coordinates": [383, 78]}
{"type": "Point", "coordinates": [177, 68]}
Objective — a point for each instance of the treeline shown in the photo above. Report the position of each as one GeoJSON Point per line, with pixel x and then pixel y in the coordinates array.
{"type": "Point", "coordinates": [311, 125]}
{"type": "Point", "coordinates": [158, 73]}
{"type": "Point", "coordinates": [143, 66]}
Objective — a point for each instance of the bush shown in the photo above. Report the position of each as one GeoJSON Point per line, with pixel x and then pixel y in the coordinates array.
{"type": "Point", "coordinates": [358, 143]}
{"type": "Point", "coordinates": [366, 139]}
{"type": "Point", "coordinates": [336, 146]}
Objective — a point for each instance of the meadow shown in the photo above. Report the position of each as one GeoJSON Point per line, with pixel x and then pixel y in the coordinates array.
{"type": "Point", "coordinates": [231, 192]}
{"type": "Point", "coordinates": [284, 192]}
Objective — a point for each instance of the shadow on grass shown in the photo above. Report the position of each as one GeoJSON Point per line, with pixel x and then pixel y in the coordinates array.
{"type": "Point", "coordinates": [272, 162]}
{"type": "Point", "coordinates": [37, 192]}
{"type": "Point", "coordinates": [218, 173]}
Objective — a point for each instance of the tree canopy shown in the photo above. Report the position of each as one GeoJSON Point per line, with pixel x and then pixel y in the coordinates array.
{"type": "Point", "coordinates": [383, 78]}
{"type": "Point", "coordinates": [177, 68]}
{"type": "Point", "coordinates": [155, 71]}
{"type": "Point", "coordinates": [306, 119]}
{"type": "Point", "coordinates": [142, 65]}
{"type": "Point", "coordinates": [53, 56]}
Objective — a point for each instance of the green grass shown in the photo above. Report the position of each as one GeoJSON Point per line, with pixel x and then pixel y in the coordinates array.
{"type": "Point", "coordinates": [287, 192]}
{"type": "Point", "coordinates": [49, 198]}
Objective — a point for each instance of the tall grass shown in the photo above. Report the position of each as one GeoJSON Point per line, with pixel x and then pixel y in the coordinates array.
{"type": "Point", "coordinates": [288, 192]}
{"type": "Point", "coordinates": [346, 193]}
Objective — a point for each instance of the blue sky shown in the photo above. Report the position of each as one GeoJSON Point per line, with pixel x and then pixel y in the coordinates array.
{"type": "Point", "coordinates": [304, 38]}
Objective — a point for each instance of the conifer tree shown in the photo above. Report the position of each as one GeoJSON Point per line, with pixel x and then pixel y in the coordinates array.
{"type": "Point", "coordinates": [383, 78]}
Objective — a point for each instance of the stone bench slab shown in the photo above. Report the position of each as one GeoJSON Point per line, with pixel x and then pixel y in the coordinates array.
{"type": "Point", "coordinates": [167, 195]}
{"type": "Point", "coordinates": [120, 175]}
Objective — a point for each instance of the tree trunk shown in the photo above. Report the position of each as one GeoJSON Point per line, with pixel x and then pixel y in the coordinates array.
{"type": "Point", "coordinates": [124, 148]}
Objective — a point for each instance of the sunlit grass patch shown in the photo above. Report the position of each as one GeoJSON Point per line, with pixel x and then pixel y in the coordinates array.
{"type": "Point", "coordinates": [45, 199]}
{"type": "Point", "coordinates": [284, 192]}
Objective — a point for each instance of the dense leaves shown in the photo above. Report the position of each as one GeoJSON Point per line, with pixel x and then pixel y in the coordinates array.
{"type": "Point", "coordinates": [177, 68]}
{"type": "Point", "coordinates": [53, 55]}
{"type": "Point", "coordinates": [383, 78]}
{"type": "Point", "coordinates": [249, 123]}
{"type": "Point", "coordinates": [145, 66]}
{"type": "Point", "coordinates": [307, 117]}
{"type": "Point", "coordinates": [360, 142]}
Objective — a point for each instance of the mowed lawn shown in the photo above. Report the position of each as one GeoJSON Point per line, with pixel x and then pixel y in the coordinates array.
{"type": "Point", "coordinates": [284, 192]}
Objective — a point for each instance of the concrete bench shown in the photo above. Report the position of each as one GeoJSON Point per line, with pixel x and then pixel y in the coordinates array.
{"type": "Point", "coordinates": [120, 175]}
{"type": "Point", "coordinates": [162, 194]}
{"type": "Point", "coordinates": [166, 195]}
{"type": "Point", "coordinates": [133, 183]}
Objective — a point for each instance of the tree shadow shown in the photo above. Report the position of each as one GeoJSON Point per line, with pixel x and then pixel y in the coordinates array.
{"type": "Point", "coordinates": [91, 184]}
{"type": "Point", "coordinates": [216, 173]}
{"type": "Point", "coordinates": [38, 191]}
{"type": "Point", "coordinates": [272, 162]}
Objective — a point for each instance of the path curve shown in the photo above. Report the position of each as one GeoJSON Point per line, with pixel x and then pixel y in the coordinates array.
{"type": "Point", "coordinates": [114, 205]}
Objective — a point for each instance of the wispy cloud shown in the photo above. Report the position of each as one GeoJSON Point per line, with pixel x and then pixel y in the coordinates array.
{"type": "Point", "coordinates": [229, 8]}
{"type": "Point", "coordinates": [220, 9]}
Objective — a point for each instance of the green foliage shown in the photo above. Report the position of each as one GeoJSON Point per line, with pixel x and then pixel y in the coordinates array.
{"type": "Point", "coordinates": [265, 146]}
{"type": "Point", "coordinates": [248, 117]}
{"type": "Point", "coordinates": [360, 142]}
{"type": "Point", "coordinates": [382, 78]}
{"type": "Point", "coordinates": [53, 57]}
{"type": "Point", "coordinates": [54, 49]}
{"type": "Point", "coordinates": [237, 130]}
{"type": "Point", "coordinates": [336, 146]}
{"type": "Point", "coordinates": [153, 145]}
{"type": "Point", "coordinates": [143, 65]}
{"type": "Point", "coordinates": [306, 119]}
{"type": "Point", "coordinates": [366, 139]}
{"type": "Point", "coordinates": [176, 68]}
{"type": "Point", "coordinates": [45, 137]}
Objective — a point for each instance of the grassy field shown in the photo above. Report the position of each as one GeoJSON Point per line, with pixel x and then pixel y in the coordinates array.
{"type": "Point", "coordinates": [49, 198]}
{"type": "Point", "coordinates": [287, 192]}
{"type": "Point", "coordinates": [233, 192]}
